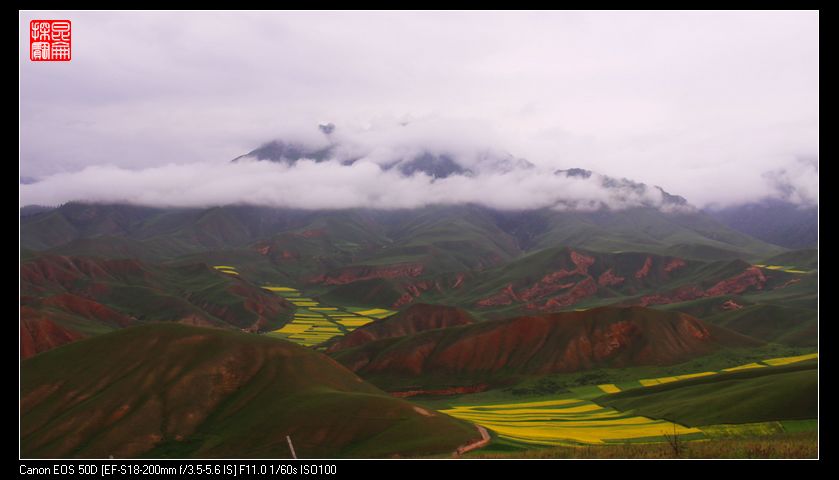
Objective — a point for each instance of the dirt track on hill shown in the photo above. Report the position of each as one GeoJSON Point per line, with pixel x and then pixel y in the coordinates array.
{"type": "Point", "coordinates": [484, 441]}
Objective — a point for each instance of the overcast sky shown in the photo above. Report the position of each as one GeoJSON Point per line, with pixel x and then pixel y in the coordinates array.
{"type": "Point", "coordinates": [716, 107]}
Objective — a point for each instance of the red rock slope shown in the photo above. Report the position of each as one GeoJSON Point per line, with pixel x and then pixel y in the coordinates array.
{"type": "Point", "coordinates": [560, 342]}
{"type": "Point", "coordinates": [415, 319]}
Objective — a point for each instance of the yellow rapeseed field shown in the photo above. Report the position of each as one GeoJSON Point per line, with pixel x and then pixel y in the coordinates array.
{"type": "Point", "coordinates": [782, 268]}
{"type": "Point", "coordinates": [695, 375]}
{"type": "Point", "coordinates": [646, 382]}
{"type": "Point", "coordinates": [609, 388]}
{"type": "Point", "coordinates": [292, 328]}
{"type": "Point", "coordinates": [789, 360]}
{"type": "Point", "coordinates": [373, 311]}
{"type": "Point", "coordinates": [743, 367]}
{"type": "Point", "coordinates": [354, 322]}
{"type": "Point", "coordinates": [280, 289]}
{"type": "Point", "coordinates": [565, 421]}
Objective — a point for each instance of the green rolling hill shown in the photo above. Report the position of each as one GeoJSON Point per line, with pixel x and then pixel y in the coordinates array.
{"type": "Point", "coordinates": [747, 396]}
{"type": "Point", "coordinates": [168, 390]}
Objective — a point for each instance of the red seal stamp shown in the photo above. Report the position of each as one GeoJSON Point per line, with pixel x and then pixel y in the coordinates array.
{"type": "Point", "coordinates": [49, 40]}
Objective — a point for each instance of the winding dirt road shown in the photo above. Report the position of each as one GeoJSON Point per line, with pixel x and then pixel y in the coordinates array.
{"type": "Point", "coordinates": [484, 441]}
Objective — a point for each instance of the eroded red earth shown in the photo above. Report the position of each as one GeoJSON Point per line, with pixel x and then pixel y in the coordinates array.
{"type": "Point", "coordinates": [416, 318]}
{"type": "Point", "coordinates": [38, 333]}
{"type": "Point", "coordinates": [731, 305]}
{"type": "Point", "coordinates": [358, 273]}
{"type": "Point", "coordinates": [59, 293]}
{"type": "Point", "coordinates": [645, 270]}
{"type": "Point", "coordinates": [609, 278]}
{"type": "Point", "coordinates": [560, 342]}
{"type": "Point", "coordinates": [442, 391]}
{"type": "Point", "coordinates": [568, 286]}
{"type": "Point", "coordinates": [750, 278]}
{"type": "Point", "coordinates": [576, 279]}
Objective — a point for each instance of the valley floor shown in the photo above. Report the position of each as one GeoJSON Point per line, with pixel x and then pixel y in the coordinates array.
{"type": "Point", "coordinates": [711, 416]}
{"type": "Point", "coordinates": [785, 445]}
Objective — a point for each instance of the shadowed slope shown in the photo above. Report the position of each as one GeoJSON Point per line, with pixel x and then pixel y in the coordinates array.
{"type": "Point", "coordinates": [754, 395]}
{"type": "Point", "coordinates": [561, 342]}
{"type": "Point", "coordinates": [414, 319]}
{"type": "Point", "coordinates": [176, 390]}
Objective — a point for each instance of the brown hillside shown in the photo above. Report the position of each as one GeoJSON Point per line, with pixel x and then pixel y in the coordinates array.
{"type": "Point", "coordinates": [560, 342]}
{"type": "Point", "coordinates": [417, 318]}
{"type": "Point", "coordinates": [169, 390]}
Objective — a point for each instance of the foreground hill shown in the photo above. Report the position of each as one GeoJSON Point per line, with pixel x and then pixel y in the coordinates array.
{"type": "Point", "coordinates": [560, 342]}
{"type": "Point", "coordinates": [174, 390]}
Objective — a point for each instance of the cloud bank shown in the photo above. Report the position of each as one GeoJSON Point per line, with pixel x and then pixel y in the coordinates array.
{"type": "Point", "coordinates": [330, 185]}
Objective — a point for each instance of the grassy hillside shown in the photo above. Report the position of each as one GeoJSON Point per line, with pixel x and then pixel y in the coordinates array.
{"type": "Point", "coordinates": [773, 323]}
{"type": "Point", "coordinates": [775, 221]}
{"type": "Point", "coordinates": [649, 230]}
{"type": "Point", "coordinates": [65, 298]}
{"type": "Point", "coordinates": [561, 278]}
{"type": "Point", "coordinates": [456, 255]}
{"type": "Point", "coordinates": [786, 314]}
{"type": "Point", "coordinates": [451, 237]}
{"type": "Point", "coordinates": [785, 445]}
{"type": "Point", "coordinates": [806, 259]}
{"type": "Point", "coordinates": [754, 395]}
{"type": "Point", "coordinates": [174, 390]}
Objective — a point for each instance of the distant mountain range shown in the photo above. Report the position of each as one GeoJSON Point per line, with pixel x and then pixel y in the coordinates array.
{"type": "Point", "coordinates": [774, 221]}
{"type": "Point", "coordinates": [407, 162]}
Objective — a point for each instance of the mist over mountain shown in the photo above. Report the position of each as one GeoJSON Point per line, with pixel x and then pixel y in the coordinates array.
{"type": "Point", "coordinates": [775, 221]}
{"type": "Point", "coordinates": [413, 172]}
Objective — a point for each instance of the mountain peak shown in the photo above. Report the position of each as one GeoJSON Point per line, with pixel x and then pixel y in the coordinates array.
{"type": "Point", "coordinates": [574, 172]}
{"type": "Point", "coordinates": [282, 152]}
{"type": "Point", "coordinates": [326, 128]}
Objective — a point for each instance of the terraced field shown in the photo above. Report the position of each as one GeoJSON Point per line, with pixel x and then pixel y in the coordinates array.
{"type": "Point", "coordinates": [774, 362]}
{"type": "Point", "coordinates": [568, 421]}
{"type": "Point", "coordinates": [647, 382]}
{"type": "Point", "coordinates": [315, 323]}
{"type": "Point", "coordinates": [574, 418]}
{"type": "Point", "coordinates": [226, 269]}
{"type": "Point", "coordinates": [783, 268]}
